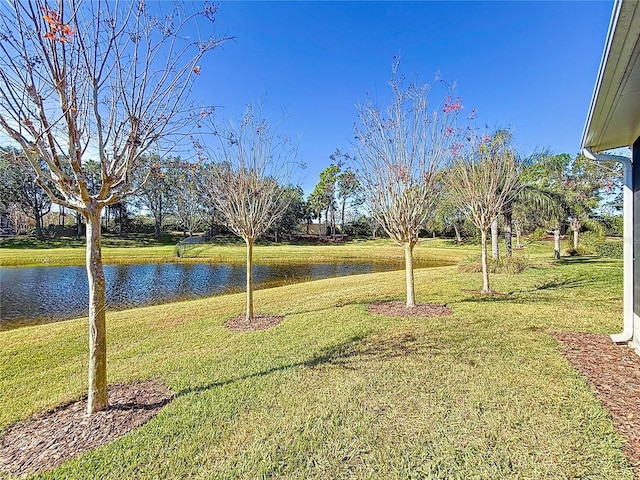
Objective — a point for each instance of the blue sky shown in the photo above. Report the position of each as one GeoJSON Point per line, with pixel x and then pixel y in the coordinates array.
{"type": "Point", "coordinates": [530, 66]}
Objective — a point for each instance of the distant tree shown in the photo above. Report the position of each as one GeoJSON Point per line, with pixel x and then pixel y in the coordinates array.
{"type": "Point", "coordinates": [155, 187]}
{"type": "Point", "coordinates": [576, 187]}
{"type": "Point", "coordinates": [541, 200]}
{"type": "Point", "coordinates": [584, 182]}
{"type": "Point", "coordinates": [480, 182]}
{"type": "Point", "coordinates": [119, 215]}
{"type": "Point", "coordinates": [526, 192]}
{"type": "Point", "coordinates": [18, 185]}
{"type": "Point", "coordinates": [187, 197]}
{"type": "Point", "coordinates": [399, 152]}
{"type": "Point", "coordinates": [19, 221]}
{"type": "Point", "coordinates": [207, 197]}
{"type": "Point", "coordinates": [308, 214]}
{"type": "Point", "coordinates": [293, 215]}
{"type": "Point", "coordinates": [448, 218]}
{"type": "Point", "coordinates": [252, 163]}
{"type": "Point", "coordinates": [349, 191]}
{"type": "Point", "coordinates": [324, 195]}
{"type": "Point", "coordinates": [317, 203]}
{"type": "Point", "coordinates": [104, 77]}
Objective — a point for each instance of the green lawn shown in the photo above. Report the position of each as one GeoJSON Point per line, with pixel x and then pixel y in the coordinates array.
{"type": "Point", "coordinates": [335, 392]}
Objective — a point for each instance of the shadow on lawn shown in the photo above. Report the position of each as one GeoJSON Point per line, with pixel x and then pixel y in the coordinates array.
{"type": "Point", "coordinates": [562, 282]}
{"type": "Point", "coordinates": [350, 355]}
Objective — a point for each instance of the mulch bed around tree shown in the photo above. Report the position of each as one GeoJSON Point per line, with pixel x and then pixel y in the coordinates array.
{"type": "Point", "coordinates": [258, 322]}
{"type": "Point", "coordinates": [47, 440]}
{"type": "Point", "coordinates": [614, 373]}
{"type": "Point", "coordinates": [399, 309]}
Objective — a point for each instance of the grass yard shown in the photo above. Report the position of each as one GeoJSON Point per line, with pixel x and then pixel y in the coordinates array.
{"type": "Point", "coordinates": [335, 392]}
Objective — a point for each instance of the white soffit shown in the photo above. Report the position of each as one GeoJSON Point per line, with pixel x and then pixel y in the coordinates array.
{"type": "Point", "coordinates": [614, 115]}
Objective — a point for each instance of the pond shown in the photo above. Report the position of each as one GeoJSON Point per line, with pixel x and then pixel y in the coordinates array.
{"type": "Point", "coordinates": [32, 295]}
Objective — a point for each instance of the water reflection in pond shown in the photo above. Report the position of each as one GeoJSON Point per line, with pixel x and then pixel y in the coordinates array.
{"type": "Point", "coordinates": [30, 295]}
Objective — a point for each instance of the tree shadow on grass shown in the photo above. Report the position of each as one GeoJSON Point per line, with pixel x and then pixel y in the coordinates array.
{"type": "Point", "coordinates": [555, 282]}
{"type": "Point", "coordinates": [352, 354]}
{"type": "Point", "coordinates": [584, 259]}
{"type": "Point", "coordinates": [561, 281]}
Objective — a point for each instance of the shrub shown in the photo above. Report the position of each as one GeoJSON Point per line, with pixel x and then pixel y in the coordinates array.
{"type": "Point", "coordinates": [538, 234]}
{"type": "Point", "coordinates": [589, 241]}
{"type": "Point", "coordinates": [610, 249]}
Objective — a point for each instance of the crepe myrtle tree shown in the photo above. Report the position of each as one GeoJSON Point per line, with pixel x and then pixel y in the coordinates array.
{"type": "Point", "coordinates": [481, 180]}
{"type": "Point", "coordinates": [400, 150]}
{"type": "Point", "coordinates": [251, 164]}
{"type": "Point", "coordinates": [105, 79]}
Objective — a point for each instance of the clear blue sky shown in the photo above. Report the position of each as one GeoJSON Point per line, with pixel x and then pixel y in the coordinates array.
{"type": "Point", "coordinates": [530, 66]}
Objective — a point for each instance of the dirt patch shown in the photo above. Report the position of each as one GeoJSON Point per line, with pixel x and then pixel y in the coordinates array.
{"type": "Point", "coordinates": [47, 440]}
{"type": "Point", "coordinates": [614, 373]}
{"type": "Point", "coordinates": [399, 309]}
{"type": "Point", "coordinates": [258, 322]}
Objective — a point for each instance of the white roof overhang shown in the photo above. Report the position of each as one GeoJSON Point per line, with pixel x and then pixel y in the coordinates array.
{"type": "Point", "coordinates": [614, 114]}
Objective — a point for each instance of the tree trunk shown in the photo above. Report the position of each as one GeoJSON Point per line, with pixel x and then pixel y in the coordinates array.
{"type": "Point", "coordinates": [508, 220]}
{"type": "Point", "coordinates": [495, 248]}
{"type": "Point", "coordinates": [249, 314]}
{"type": "Point", "coordinates": [485, 266]}
{"type": "Point", "coordinates": [97, 399]}
{"type": "Point", "coordinates": [158, 223]}
{"type": "Point", "coordinates": [457, 230]}
{"type": "Point", "coordinates": [556, 243]}
{"type": "Point", "coordinates": [344, 206]}
{"type": "Point", "coordinates": [38, 218]}
{"type": "Point", "coordinates": [575, 237]}
{"type": "Point", "coordinates": [120, 228]}
{"type": "Point", "coordinates": [408, 266]}
{"type": "Point", "coordinates": [333, 223]}
{"type": "Point", "coordinates": [326, 222]}
{"type": "Point", "coordinates": [156, 229]}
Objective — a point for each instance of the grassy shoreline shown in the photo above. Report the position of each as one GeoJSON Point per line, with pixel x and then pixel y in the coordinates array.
{"type": "Point", "coordinates": [370, 250]}
{"type": "Point", "coordinates": [336, 392]}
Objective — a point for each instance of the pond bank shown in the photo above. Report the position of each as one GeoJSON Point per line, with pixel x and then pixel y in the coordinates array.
{"type": "Point", "coordinates": [34, 295]}
{"type": "Point", "coordinates": [365, 250]}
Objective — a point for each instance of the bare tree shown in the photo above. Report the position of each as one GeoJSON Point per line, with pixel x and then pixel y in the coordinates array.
{"type": "Point", "coordinates": [102, 78]}
{"type": "Point", "coordinates": [399, 152]}
{"type": "Point", "coordinates": [252, 163]}
{"type": "Point", "coordinates": [480, 183]}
